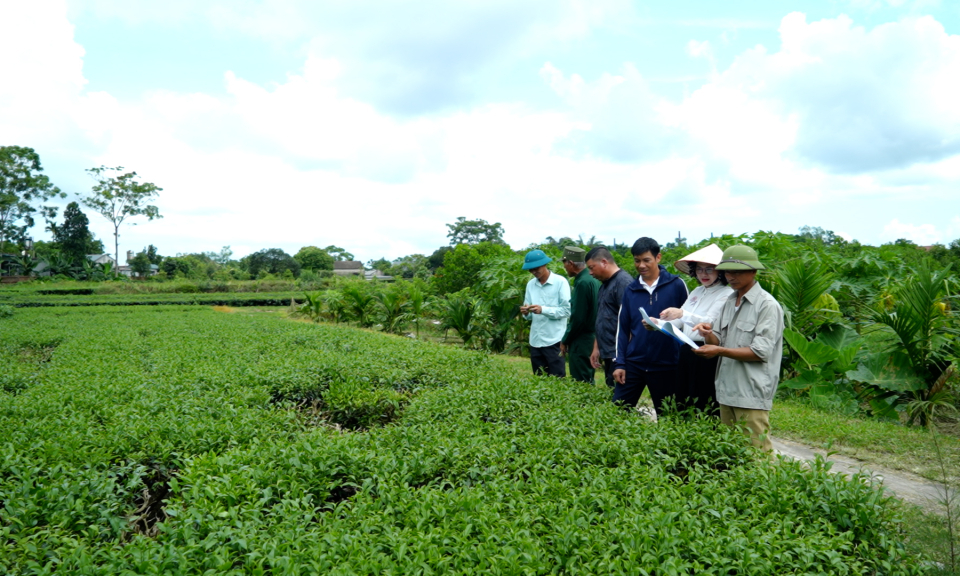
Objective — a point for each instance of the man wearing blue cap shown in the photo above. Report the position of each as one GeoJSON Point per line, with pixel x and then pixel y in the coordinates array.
{"type": "Point", "coordinates": [547, 304]}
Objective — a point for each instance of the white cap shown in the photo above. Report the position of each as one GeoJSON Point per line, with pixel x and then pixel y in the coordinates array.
{"type": "Point", "coordinates": [711, 254]}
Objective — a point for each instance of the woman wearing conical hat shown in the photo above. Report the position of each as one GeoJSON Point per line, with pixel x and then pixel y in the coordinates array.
{"type": "Point", "coordinates": [695, 375]}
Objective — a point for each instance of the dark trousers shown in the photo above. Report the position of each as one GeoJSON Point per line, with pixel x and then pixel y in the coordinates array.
{"type": "Point", "coordinates": [696, 386]}
{"type": "Point", "coordinates": [608, 372]}
{"type": "Point", "coordinates": [662, 385]}
{"type": "Point", "coordinates": [547, 360]}
{"type": "Point", "coordinates": [578, 354]}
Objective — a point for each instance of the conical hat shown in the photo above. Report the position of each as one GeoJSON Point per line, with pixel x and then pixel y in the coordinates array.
{"type": "Point", "coordinates": [711, 254]}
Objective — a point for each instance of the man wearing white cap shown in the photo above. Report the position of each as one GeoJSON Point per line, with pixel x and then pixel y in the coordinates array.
{"type": "Point", "coordinates": [748, 337]}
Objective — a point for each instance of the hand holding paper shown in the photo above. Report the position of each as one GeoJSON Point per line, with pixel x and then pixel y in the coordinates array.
{"type": "Point", "coordinates": [668, 329]}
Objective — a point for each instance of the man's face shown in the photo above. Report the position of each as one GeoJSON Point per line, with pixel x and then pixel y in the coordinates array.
{"type": "Point", "coordinates": [570, 268]}
{"type": "Point", "coordinates": [540, 273]}
{"type": "Point", "coordinates": [740, 279]}
{"type": "Point", "coordinates": [599, 269]}
{"type": "Point", "coordinates": [646, 264]}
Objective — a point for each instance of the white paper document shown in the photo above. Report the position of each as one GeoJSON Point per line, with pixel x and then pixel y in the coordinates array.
{"type": "Point", "coordinates": [668, 329]}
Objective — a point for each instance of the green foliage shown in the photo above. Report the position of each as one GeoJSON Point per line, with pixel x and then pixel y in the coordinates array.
{"type": "Point", "coordinates": [393, 307]}
{"type": "Point", "coordinates": [801, 288]}
{"type": "Point", "coordinates": [140, 264]}
{"type": "Point", "coordinates": [457, 314]}
{"type": "Point", "coordinates": [462, 265]}
{"type": "Point", "coordinates": [313, 258]}
{"type": "Point", "coordinates": [923, 338]}
{"type": "Point", "coordinates": [271, 261]}
{"type": "Point", "coordinates": [73, 238]}
{"type": "Point", "coordinates": [465, 231]}
{"type": "Point", "coordinates": [119, 195]}
{"type": "Point", "coordinates": [22, 188]}
{"type": "Point", "coordinates": [338, 253]}
{"type": "Point", "coordinates": [187, 442]}
{"type": "Point", "coordinates": [6, 311]}
{"type": "Point", "coordinates": [359, 302]}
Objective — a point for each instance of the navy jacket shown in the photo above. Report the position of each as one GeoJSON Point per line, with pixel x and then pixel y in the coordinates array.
{"type": "Point", "coordinates": [637, 347]}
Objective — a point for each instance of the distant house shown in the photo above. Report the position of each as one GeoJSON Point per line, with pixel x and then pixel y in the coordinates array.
{"type": "Point", "coordinates": [101, 259]}
{"type": "Point", "coordinates": [348, 268]}
{"type": "Point", "coordinates": [376, 275]}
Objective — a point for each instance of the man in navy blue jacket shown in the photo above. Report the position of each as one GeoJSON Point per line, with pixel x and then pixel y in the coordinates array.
{"type": "Point", "coordinates": [647, 358]}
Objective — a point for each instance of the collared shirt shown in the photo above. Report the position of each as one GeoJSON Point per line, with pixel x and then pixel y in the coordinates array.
{"type": "Point", "coordinates": [608, 312]}
{"type": "Point", "coordinates": [703, 305]}
{"type": "Point", "coordinates": [757, 324]}
{"type": "Point", "coordinates": [649, 287]}
{"type": "Point", "coordinates": [583, 307]}
{"type": "Point", "coordinates": [553, 297]}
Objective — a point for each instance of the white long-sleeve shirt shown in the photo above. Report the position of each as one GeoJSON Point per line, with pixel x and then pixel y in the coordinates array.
{"type": "Point", "coordinates": [703, 305]}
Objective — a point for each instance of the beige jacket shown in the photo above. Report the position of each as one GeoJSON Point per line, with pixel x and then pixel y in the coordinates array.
{"type": "Point", "coordinates": [758, 324]}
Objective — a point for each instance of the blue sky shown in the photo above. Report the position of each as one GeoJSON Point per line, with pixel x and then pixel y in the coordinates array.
{"type": "Point", "coordinates": [285, 123]}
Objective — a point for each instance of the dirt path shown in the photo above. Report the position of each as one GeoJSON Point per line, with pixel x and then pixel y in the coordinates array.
{"type": "Point", "coordinates": [906, 486]}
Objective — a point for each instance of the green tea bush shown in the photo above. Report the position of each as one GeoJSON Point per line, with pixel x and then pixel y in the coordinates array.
{"type": "Point", "coordinates": [174, 441]}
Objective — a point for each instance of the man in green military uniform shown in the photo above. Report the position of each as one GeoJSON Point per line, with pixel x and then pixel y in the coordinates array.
{"type": "Point", "coordinates": [577, 343]}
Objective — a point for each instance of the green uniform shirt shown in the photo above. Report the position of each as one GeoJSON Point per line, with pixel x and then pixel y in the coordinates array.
{"type": "Point", "coordinates": [583, 304]}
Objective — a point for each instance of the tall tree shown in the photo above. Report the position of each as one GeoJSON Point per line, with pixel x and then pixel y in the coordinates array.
{"type": "Point", "coordinates": [73, 236]}
{"type": "Point", "coordinates": [272, 260]}
{"type": "Point", "coordinates": [22, 189]}
{"type": "Point", "coordinates": [313, 258]}
{"type": "Point", "coordinates": [122, 196]}
{"type": "Point", "coordinates": [465, 231]}
{"type": "Point", "coordinates": [338, 253]}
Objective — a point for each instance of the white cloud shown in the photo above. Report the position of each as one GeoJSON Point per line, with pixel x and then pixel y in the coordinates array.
{"type": "Point", "coordinates": [921, 234]}
{"type": "Point", "coordinates": [310, 160]}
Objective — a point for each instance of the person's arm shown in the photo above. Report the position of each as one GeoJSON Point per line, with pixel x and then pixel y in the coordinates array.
{"type": "Point", "coordinates": [526, 302]}
{"type": "Point", "coordinates": [623, 337]}
{"type": "Point", "coordinates": [562, 309]}
{"type": "Point", "coordinates": [711, 314]}
{"type": "Point", "coordinates": [768, 330]}
{"type": "Point", "coordinates": [582, 300]}
{"type": "Point", "coordinates": [595, 355]}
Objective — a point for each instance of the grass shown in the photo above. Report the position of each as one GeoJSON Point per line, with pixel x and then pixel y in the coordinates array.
{"type": "Point", "coordinates": [887, 444]}
{"type": "Point", "coordinates": [927, 534]}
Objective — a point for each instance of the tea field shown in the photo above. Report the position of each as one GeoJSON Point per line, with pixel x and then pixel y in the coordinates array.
{"type": "Point", "coordinates": [183, 440]}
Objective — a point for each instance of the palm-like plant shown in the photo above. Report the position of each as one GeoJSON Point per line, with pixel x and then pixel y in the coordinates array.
{"type": "Point", "coordinates": [394, 308]}
{"type": "Point", "coordinates": [418, 305]}
{"type": "Point", "coordinates": [313, 307]}
{"type": "Point", "coordinates": [457, 313]}
{"type": "Point", "coordinates": [916, 364]}
{"type": "Point", "coordinates": [335, 304]}
{"type": "Point", "coordinates": [801, 288]}
{"type": "Point", "coordinates": [358, 302]}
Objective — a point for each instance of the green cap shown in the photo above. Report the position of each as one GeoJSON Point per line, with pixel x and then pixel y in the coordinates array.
{"type": "Point", "coordinates": [740, 257]}
{"type": "Point", "coordinates": [573, 254]}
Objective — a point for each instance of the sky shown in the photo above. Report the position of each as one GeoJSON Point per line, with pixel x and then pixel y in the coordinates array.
{"type": "Point", "coordinates": [371, 125]}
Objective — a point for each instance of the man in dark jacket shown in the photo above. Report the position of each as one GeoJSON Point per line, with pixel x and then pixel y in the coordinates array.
{"type": "Point", "coordinates": [603, 267]}
{"type": "Point", "coordinates": [647, 358]}
{"type": "Point", "coordinates": [577, 343]}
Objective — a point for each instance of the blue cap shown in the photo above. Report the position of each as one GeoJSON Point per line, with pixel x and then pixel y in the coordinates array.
{"type": "Point", "coordinates": [535, 259]}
